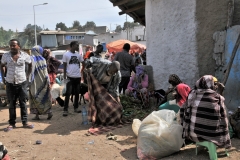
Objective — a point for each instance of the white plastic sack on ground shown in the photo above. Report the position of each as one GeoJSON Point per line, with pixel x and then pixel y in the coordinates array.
{"type": "Point", "coordinates": [136, 125]}
{"type": "Point", "coordinates": [55, 91]}
{"type": "Point", "coordinates": [159, 135]}
{"type": "Point", "coordinates": [64, 84]}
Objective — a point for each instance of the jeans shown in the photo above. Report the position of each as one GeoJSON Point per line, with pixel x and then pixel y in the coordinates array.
{"type": "Point", "coordinates": [73, 87]}
{"type": "Point", "coordinates": [14, 92]}
{"type": "Point", "coordinates": [123, 84]}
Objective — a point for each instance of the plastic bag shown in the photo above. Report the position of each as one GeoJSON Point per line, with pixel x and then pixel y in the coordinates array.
{"type": "Point", "coordinates": [55, 91]}
{"type": "Point", "coordinates": [159, 135]}
{"type": "Point", "coordinates": [135, 126]}
{"type": "Point", "coordinates": [64, 84]}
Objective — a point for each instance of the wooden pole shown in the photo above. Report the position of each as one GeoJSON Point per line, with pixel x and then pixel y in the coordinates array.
{"type": "Point", "coordinates": [231, 60]}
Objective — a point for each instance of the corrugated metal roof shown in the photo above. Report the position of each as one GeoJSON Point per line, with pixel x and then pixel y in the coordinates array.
{"type": "Point", "coordinates": [134, 8]}
{"type": "Point", "coordinates": [91, 33]}
{"type": "Point", "coordinates": [61, 32]}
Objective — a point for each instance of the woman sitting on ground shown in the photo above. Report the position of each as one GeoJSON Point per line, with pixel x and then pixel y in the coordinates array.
{"type": "Point", "coordinates": [203, 115]}
{"type": "Point", "coordinates": [182, 91]}
{"type": "Point", "coordinates": [138, 84]}
{"type": "Point", "coordinates": [171, 93]}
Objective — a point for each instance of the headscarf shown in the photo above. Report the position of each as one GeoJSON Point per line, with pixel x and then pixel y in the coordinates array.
{"type": "Point", "coordinates": [183, 91]}
{"type": "Point", "coordinates": [47, 55]}
{"type": "Point", "coordinates": [38, 62]}
{"type": "Point", "coordinates": [37, 50]}
{"type": "Point", "coordinates": [173, 78]}
{"type": "Point", "coordinates": [215, 79]}
{"type": "Point", "coordinates": [52, 63]}
{"type": "Point", "coordinates": [205, 82]}
{"type": "Point", "coordinates": [138, 76]}
{"type": "Point", "coordinates": [139, 70]}
{"type": "Point", "coordinates": [116, 65]}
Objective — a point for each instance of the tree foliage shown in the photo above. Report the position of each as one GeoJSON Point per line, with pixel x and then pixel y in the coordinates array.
{"type": "Point", "coordinates": [38, 28]}
{"type": "Point", "coordinates": [46, 29]}
{"type": "Point", "coordinates": [5, 36]}
{"type": "Point", "coordinates": [62, 26]}
{"type": "Point", "coordinates": [118, 28]}
{"type": "Point", "coordinates": [76, 24]}
{"type": "Point", "coordinates": [27, 37]}
{"type": "Point", "coordinates": [89, 25]}
{"type": "Point", "coordinates": [129, 25]}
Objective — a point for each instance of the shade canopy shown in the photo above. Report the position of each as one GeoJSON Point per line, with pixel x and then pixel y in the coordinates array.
{"type": "Point", "coordinates": [117, 46]}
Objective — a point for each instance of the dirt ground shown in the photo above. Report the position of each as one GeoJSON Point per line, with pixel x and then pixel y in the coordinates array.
{"type": "Point", "coordinates": [64, 138]}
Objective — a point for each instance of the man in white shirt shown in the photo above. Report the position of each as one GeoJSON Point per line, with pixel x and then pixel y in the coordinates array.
{"type": "Point", "coordinates": [71, 67]}
{"type": "Point", "coordinates": [13, 63]}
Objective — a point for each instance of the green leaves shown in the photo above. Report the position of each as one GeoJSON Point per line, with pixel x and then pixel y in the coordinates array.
{"type": "Point", "coordinates": [5, 36]}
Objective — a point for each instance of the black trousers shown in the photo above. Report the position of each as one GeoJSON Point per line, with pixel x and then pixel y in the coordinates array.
{"type": "Point", "coordinates": [14, 93]}
{"type": "Point", "coordinates": [123, 84]}
{"type": "Point", "coordinates": [73, 87]}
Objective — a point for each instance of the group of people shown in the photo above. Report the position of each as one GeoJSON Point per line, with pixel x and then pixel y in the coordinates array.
{"type": "Point", "coordinates": [201, 110]}
{"type": "Point", "coordinates": [28, 78]}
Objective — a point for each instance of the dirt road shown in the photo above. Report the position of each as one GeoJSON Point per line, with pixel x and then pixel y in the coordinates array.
{"type": "Point", "coordinates": [64, 138]}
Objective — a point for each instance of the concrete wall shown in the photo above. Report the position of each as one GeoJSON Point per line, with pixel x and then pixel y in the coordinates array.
{"type": "Point", "coordinates": [211, 16]}
{"type": "Point", "coordinates": [180, 38]}
{"type": "Point", "coordinates": [60, 39]}
{"type": "Point", "coordinates": [132, 33]}
{"type": "Point", "coordinates": [89, 40]}
{"type": "Point", "coordinates": [109, 37]}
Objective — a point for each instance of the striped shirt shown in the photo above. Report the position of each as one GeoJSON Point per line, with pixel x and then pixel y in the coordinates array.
{"type": "Point", "coordinates": [16, 70]}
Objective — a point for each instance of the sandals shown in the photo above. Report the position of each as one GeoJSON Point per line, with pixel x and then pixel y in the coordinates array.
{"type": "Point", "coordinates": [9, 128]}
{"type": "Point", "coordinates": [30, 126]}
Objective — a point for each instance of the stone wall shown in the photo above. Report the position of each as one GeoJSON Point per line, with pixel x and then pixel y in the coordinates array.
{"type": "Point", "coordinates": [180, 37]}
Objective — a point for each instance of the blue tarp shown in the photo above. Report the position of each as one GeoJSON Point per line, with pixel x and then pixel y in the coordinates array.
{"type": "Point", "coordinates": [232, 87]}
{"type": "Point", "coordinates": [104, 47]}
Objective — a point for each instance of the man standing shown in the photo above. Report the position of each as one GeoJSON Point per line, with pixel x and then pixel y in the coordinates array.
{"type": "Point", "coordinates": [97, 52]}
{"type": "Point", "coordinates": [71, 67]}
{"type": "Point", "coordinates": [126, 66]}
{"type": "Point", "coordinates": [16, 81]}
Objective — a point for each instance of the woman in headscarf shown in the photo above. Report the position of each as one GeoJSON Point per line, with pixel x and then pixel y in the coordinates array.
{"type": "Point", "coordinates": [39, 91]}
{"type": "Point", "coordinates": [137, 59]}
{"type": "Point", "coordinates": [203, 115]}
{"type": "Point", "coordinates": [182, 91]}
{"type": "Point", "coordinates": [52, 68]}
{"type": "Point", "coordinates": [52, 65]}
{"type": "Point", "coordinates": [138, 84]}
